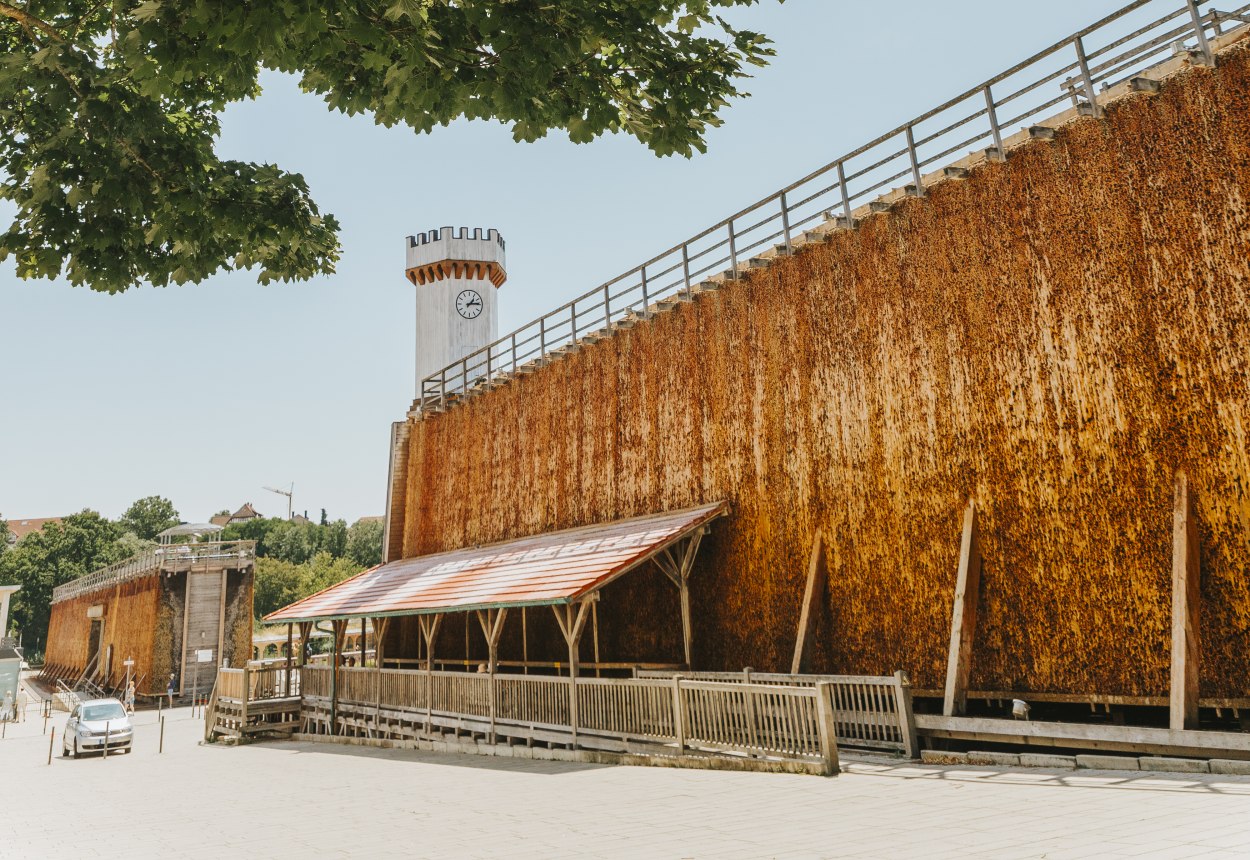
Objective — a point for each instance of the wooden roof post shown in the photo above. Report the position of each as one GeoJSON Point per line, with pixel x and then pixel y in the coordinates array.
{"type": "Point", "coordinates": [492, 625]}
{"type": "Point", "coordinates": [817, 576]}
{"type": "Point", "coordinates": [429, 632]}
{"type": "Point", "coordinates": [571, 627]}
{"type": "Point", "coordinates": [1186, 601]}
{"type": "Point", "coordinates": [340, 629]}
{"type": "Point", "coordinates": [290, 659]}
{"type": "Point", "coordinates": [678, 572]}
{"type": "Point", "coordinates": [305, 632]}
{"type": "Point", "coordinates": [963, 617]}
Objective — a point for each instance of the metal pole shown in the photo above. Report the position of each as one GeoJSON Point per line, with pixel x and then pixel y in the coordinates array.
{"type": "Point", "coordinates": [992, 109]}
{"type": "Point", "coordinates": [542, 337]}
{"type": "Point", "coordinates": [645, 300]}
{"type": "Point", "coordinates": [1208, 58]}
{"type": "Point", "coordinates": [51, 738]}
{"type": "Point", "coordinates": [785, 222]}
{"type": "Point", "coordinates": [573, 321]}
{"type": "Point", "coordinates": [464, 375]}
{"type": "Point", "coordinates": [1087, 79]}
{"type": "Point", "coordinates": [846, 195]}
{"type": "Point", "coordinates": [733, 251]}
{"type": "Point", "coordinates": [160, 748]}
{"type": "Point", "coordinates": [607, 307]}
{"type": "Point", "coordinates": [915, 163]}
{"type": "Point", "coordinates": [685, 267]}
{"type": "Point", "coordinates": [106, 738]}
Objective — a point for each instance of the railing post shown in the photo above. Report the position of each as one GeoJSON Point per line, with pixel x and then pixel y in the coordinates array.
{"type": "Point", "coordinates": [733, 251]}
{"type": "Point", "coordinates": [749, 697]}
{"type": "Point", "coordinates": [1204, 46]}
{"type": "Point", "coordinates": [915, 162]}
{"type": "Point", "coordinates": [645, 300]}
{"type": "Point", "coordinates": [992, 110]}
{"type": "Point", "coordinates": [846, 195]}
{"type": "Point", "coordinates": [573, 321]}
{"type": "Point", "coordinates": [514, 352]}
{"type": "Point", "coordinates": [1087, 79]}
{"type": "Point", "coordinates": [442, 388]}
{"type": "Point", "coordinates": [685, 266]}
{"type": "Point", "coordinates": [542, 337]}
{"type": "Point", "coordinates": [607, 307]}
{"type": "Point", "coordinates": [679, 721]}
{"type": "Point", "coordinates": [785, 222]}
{"type": "Point", "coordinates": [906, 716]}
{"type": "Point", "coordinates": [827, 727]}
{"type": "Point", "coordinates": [464, 376]}
{"type": "Point", "coordinates": [247, 694]}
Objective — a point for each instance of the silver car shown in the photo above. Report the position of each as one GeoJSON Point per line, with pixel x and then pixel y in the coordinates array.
{"type": "Point", "coordinates": [89, 721]}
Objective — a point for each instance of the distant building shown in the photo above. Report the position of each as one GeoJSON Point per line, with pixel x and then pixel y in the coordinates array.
{"type": "Point", "coordinates": [242, 515]}
{"type": "Point", "coordinates": [18, 529]}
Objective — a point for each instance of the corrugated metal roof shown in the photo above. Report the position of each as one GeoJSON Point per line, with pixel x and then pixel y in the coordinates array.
{"type": "Point", "coordinates": [550, 568]}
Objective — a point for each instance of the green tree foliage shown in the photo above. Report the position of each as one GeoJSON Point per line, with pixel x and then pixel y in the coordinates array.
{"type": "Point", "coordinates": [364, 542]}
{"type": "Point", "coordinates": [280, 582]}
{"type": "Point", "coordinates": [112, 111]}
{"type": "Point", "coordinates": [54, 555]}
{"type": "Point", "coordinates": [149, 516]}
{"type": "Point", "coordinates": [296, 542]}
{"type": "Point", "coordinates": [5, 534]}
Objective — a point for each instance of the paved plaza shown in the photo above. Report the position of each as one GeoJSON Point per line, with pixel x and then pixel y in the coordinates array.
{"type": "Point", "coordinates": [306, 800]}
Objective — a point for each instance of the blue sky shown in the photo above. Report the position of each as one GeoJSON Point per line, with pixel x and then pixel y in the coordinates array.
{"type": "Point", "coordinates": [206, 393]}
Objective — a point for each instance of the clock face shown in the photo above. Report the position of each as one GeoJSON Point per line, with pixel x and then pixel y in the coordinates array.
{"type": "Point", "coordinates": [469, 304]}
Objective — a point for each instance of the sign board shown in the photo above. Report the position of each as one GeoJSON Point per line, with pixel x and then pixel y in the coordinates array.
{"type": "Point", "coordinates": [128, 663]}
{"type": "Point", "coordinates": [204, 655]}
{"type": "Point", "coordinates": [96, 611]}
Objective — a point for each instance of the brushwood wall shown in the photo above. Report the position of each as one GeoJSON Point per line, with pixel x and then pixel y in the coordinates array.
{"type": "Point", "coordinates": [1054, 337]}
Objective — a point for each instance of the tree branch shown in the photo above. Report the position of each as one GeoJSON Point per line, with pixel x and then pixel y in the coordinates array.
{"type": "Point", "coordinates": [28, 21]}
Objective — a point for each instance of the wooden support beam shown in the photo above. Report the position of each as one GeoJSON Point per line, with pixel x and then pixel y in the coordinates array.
{"type": "Point", "coordinates": [305, 631]}
{"type": "Point", "coordinates": [1186, 602]}
{"type": "Point", "coordinates": [571, 626]}
{"type": "Point", "coordinates": [290, 659]}
{"type": "Point", "coordinates": [677, 569]}
{"type": "Point", "coordinates": [963, 617]}
{"type": "Point", "coordinates": [817, 576]}
{"type": "Point", "coordinates": [336, 662]}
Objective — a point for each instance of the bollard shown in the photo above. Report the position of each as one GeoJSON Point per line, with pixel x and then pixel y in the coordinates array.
{"type": "Point", "coordinates": [51, 737]}
{"type": "Point", "coordinates": [161, 747]}
{"type": "Point", "coordinates": [106, 740]}
{"type": "Point", "coordinates": [4, 727]}
{"type": "Point", "coordinates": [45, 723]}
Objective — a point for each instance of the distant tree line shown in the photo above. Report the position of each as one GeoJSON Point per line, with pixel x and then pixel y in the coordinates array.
{"type": "Point", "coordinates": [296, 559]}
{"type": "Point", "coordinates": [293, 559]}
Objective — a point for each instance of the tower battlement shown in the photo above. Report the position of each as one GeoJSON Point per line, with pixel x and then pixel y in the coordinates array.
{"type": "Point", "coordinates": [448, 252]}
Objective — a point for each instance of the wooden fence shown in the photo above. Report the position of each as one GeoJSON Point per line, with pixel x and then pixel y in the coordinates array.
{"type": "Point", "coordinates": [650, 716]}
{"type": "Point", "coordinates": [869, 711]}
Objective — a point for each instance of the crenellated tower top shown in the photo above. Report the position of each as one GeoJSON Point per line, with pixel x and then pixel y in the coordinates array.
{"type": "Point", "coordinates": [450, 253]}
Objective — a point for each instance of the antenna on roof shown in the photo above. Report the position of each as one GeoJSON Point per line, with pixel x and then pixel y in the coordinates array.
{"type": "Point", "coordinates": [289, 492]}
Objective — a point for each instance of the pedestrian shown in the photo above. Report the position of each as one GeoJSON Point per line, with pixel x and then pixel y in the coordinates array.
{"type": "Point", "coordinates": [6, 712]}
{"type": "Point", "coordinates": [22, 703]}
{"type": "Point", "coordinates": [130, 696]}
{"type": "Point", "coordinates": [169, 689]}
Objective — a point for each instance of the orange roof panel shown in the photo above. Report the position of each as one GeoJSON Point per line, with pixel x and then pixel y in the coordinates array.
{"type": "Point", "coordinates": [551, 568]}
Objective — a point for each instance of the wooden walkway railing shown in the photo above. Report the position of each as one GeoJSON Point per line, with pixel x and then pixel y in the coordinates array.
{"type": "Point", "coordinates": [870, 711]}
{"type": "Point", "coordinates": [650, 716]}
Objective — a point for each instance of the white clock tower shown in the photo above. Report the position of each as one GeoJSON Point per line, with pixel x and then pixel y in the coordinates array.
{"type": "Point", "coordinates": [457, 274]}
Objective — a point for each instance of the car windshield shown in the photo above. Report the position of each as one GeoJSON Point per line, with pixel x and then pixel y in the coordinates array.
{"type": "Point", "coordinates": [106, 711]}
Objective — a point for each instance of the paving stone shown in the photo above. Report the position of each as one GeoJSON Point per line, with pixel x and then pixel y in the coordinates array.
{"type": "Point", "coordinates": [1107, 762]}
{"type": "Point", "coordinates": [1174, 765]}
{"type": "Point", "coordinates": [1047, 760]}
{"type": "Point", "coordinates": [1230, 766]}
